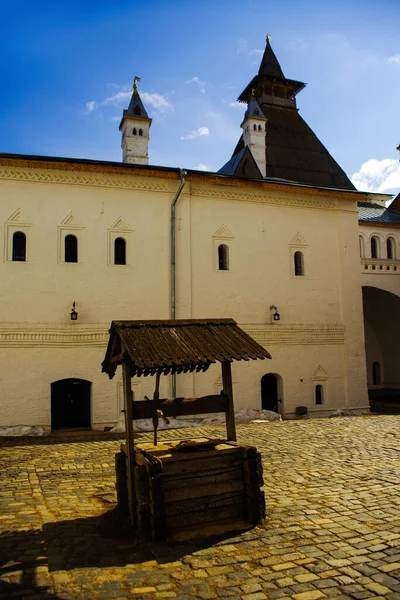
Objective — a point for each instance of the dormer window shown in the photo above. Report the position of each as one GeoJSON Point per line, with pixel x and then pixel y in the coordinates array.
{"type": "Point", "coordinates": [257, 112]}
{"type": "Point", "coordinates": [137, 111]}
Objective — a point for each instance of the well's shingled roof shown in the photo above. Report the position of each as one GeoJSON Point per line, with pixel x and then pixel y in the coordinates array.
{"type": "Point", "coordinates": [177, 346]}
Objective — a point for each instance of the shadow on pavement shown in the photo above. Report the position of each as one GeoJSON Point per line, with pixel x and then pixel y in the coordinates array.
{"type": "Point", "coordinates": [101, 541]}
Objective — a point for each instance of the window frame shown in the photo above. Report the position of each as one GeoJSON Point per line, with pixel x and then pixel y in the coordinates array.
{"type": "Point", "coordinates": [377, 242]}
{"type": "Point", "coordinates": [376, 372]}
{"type": "Point", "coordinates": [122, 239]}
{"type": "Point", "coordinates": [390, 241]}
{"type": "Point", "coordinates": [19, 233]}
{"type": "Point", "coordinates": [299, 244]}
{"type": "Point", "coordinates": [120, 229]}
{"type": "Point", "coordinates": [70, 250]}
{"type": "Point", "coordinates": [15, 224]}
{"type": "Point", "coordinates": [69, 226]}
{"type": "Point", "coordinates": [361, 244]}
{"type": "Point", "coordinates": [222, 237]}
{"type": "Point", "coordinates": [319, 387]}
{"type": "Point", "coordinates": [301, 265]}
{"type": "Point", "coordinates": [223, 257]}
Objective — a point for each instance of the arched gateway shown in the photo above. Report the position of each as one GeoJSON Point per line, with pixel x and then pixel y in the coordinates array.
{"type": "Point", "coordinates": [70, 404]}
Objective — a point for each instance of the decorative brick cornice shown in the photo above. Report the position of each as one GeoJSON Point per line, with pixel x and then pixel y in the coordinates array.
{"type": "Point", "coordinates": [25, 335]}
{"type": "Point", "coordinates": [266, 198]}
{"type": "Point", "coordinates": [123, 181]}
{"type": "Point", "coordinates": [31, 336]}
{"type": "Point", "coordinates": [297, 334]}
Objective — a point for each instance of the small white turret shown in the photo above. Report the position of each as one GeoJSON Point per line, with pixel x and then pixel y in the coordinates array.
{"type": "Point", "coordinates": [254, 132]}
{"type": "Point", "coordinates": [135, 127]}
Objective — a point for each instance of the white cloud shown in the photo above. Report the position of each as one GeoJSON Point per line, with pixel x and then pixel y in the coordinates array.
{"type": "Point", "coordinates": [378, 175]}
{"type": "Point", "coordinates": [202, 167]}
{"type": "Point", "coordinates": [122, 98]}
{"type": "Point", "coordinates": [200, 132]}
{"type": "Point", "coordinates": [157, 101]}
{"type": "Point", "coordinates": [201, 84]}
{"type": "Point", "coordinates": [237, 105]}
{"type": "Point", "coordinates": [256, 52]}
{"type": "Point", "coordinates": [90, 106]}
{"type": "Point", "coordinates": [243, 48]}
{"type": "Point", "coordinates": [394, 59]}
{"type": "Point", "coordinates": [117, 98]}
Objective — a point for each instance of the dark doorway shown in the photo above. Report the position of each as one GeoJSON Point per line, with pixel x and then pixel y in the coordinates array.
{"type": "Point", "coordinates": [269, 392]}
{"type": "Point", "coordinates": [70, 404]}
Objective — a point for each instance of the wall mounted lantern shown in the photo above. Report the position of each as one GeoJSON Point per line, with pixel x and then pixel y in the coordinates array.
{"type": "Point", "coordinates": [73, 314]}
{"type": "Point", "coordinates": [276, 316]}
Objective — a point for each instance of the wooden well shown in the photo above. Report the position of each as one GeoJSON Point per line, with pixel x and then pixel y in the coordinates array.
{"type": "Point", "coordinates": [199, 488]}
{"type": "Point", "coordinates": [179, 489]}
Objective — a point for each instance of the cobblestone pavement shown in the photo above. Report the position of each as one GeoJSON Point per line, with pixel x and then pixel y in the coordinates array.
{"type": "Point", "coordinates": [332, 531]}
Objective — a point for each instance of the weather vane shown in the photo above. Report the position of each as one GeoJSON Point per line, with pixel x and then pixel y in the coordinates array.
{"type": "Point", "coordinates": [135, 80]}
{"type": "Point", "coordinates": [269, 38]}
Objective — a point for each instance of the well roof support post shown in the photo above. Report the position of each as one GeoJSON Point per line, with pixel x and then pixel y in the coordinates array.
{"type": "Point", "coordinates": [228, 391]}
{"type": "Point", "coordinates": [130, 446]}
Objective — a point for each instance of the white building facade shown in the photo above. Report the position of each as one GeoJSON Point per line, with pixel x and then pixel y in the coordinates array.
{"type": "Point", "coordinates": [250, 245]}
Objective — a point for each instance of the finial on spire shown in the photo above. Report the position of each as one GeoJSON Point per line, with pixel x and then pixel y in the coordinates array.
{"type": "Point", "coordinates": [135, 80]}
{"type": "Point", "coordinates": [268, 38]}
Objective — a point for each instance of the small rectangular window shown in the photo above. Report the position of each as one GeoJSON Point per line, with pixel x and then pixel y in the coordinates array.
{"type": "Point", "coordinates": [319, 394]}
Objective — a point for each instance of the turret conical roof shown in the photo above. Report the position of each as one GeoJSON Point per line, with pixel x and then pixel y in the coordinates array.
{"type": "Point", "coordinates": [270, 66]}
{"type": "Point", "coordinates": [136, 107]}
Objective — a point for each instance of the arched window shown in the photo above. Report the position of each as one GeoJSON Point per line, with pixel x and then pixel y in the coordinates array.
{"type": "Point", "coordinates": [223, 257]}
{"type": "Point", "coordinates": [19, 246]}
{"type": "Point", "coordinates": [259, 128]}
{"type": "Point", "coordinates": [376, 373]}
{"type": "Point", "coordinates": [255, 127]}
{"type": "Point", "coordinates": [137, 110]}
{"type": "Point", "coordinates": [319, 394]}
{"type": "Point", "coordinates": [140, 131]}
{"type": "Point", "coordinates": [374, 247]}
{"type": "Point", "coordinates": [361, 242]}
{"type": "Point", "coordinates": [70, 249]}
{"type": "Point", "coordinates": [134, 131]}
{"type": "Point", "coordinates": [119, 251]}
{"type": "Point", "coordinates": [390, 248]}
{"type": "Point", "coordinates": [298, 263]}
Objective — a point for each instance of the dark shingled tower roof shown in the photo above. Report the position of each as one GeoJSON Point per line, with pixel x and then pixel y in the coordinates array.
{"type": "Point", "coordinates": [293, 151]}
{"type": "Point", "coordinates": [136, 107]}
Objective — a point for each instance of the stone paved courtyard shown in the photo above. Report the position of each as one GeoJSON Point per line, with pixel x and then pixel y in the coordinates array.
{"type": "Point", "coordinates": [332, 529]}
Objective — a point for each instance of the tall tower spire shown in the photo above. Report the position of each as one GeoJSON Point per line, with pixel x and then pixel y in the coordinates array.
{"type": "Point", "coordinates": [270, 84]}
{"type": "Point", "coordinates": [135, 127]}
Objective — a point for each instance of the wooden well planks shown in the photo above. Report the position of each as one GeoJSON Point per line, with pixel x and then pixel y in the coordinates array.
{"type": "Point", "coordinates": [197, 489]}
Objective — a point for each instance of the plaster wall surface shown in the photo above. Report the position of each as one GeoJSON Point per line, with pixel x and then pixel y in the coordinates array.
{"type": "Point", "coordinates": [319, 339]}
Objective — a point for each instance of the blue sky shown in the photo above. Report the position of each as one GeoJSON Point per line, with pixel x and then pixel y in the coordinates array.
{"type": "Point", "coordinates": [67, 68]}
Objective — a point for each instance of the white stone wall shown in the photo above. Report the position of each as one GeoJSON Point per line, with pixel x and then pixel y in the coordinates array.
{"type": "Point", "coordinates": [319, 339]}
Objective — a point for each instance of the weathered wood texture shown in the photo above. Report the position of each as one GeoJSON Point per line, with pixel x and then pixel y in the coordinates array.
{"type": "Point", "coordinates": [179, 491]}
{"type": "Point", "coordinates": [174, 407]}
